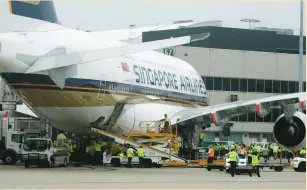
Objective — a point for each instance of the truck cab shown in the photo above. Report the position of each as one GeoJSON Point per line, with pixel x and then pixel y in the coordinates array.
{"type": "Point", "coordinates": [42, 152]}
{"type": "Point", "coordinates": [10, 146]}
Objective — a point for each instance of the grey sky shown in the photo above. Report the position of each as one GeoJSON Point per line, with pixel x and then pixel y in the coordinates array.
{"type": "Point", "coordinates": [99, 15]}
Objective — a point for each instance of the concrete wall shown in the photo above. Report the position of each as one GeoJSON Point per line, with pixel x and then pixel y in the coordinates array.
{"type": "Point", "coordinates": [241, 64]}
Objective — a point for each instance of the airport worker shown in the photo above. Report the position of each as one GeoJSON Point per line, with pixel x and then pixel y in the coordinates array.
{"type": "Point", "coordinates": [265, 153]}
{"type": "Point", "coordinates": [250, 154]}
{"type": "Point", "coordinates": [289, 155]}
{"type": "Point", "coordinates": [233, 160]}
{"type": "Point", "coordinates": [72, 150]}
{"type": "Point", "coordinates": [129, 156]}
{"type": "Point", "coordinates": [255, 164]}
{"type": "Point", "coordinates": [275, 151]}
{"type": "Point", "coordinates": [61, 138]}
{"type": "Point", "coordinates": [92, 153]}
{"type": "Point", "coordinates": [87, 153]}
{"type": "Point", "coordinates": [201, 137]}
{"type": "Point", "coordinates": [223, 151]}
{"type": "Point", "coordinates": [216, 150]}
{"type": "Point", "coordinates": [258, 150]}
{"type": "Point", "coordinates": [166, 123]}
{"type": "Point", "coordinates": [210, 155]}
{"type": "Point", "coordinates": [303, 153]}
{"type": "Point", "coordinates": [141, 154]}
{"type": "Point", "coordinates": [98, 155]}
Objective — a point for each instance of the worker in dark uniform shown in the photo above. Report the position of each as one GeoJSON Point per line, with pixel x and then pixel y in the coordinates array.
{"type": "Point", "coordinates": [233, 160]}
{"type": "Point", "coordinates": [255, 163]}
{"type": "Point", "coordinates": [141, 154]}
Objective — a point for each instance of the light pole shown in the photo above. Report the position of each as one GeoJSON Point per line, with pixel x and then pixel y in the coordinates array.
{"type": "Point", "coordinates": [301, 69]}
{"type": "Point", "coordinates": [249, 20]}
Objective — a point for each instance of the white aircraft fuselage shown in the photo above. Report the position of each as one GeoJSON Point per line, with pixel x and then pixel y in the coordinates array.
{"type": "Point", "coordinates": [94, 88]}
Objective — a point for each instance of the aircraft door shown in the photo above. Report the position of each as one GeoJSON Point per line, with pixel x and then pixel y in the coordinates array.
{"type": "Point", "coordinates": [102, 87]}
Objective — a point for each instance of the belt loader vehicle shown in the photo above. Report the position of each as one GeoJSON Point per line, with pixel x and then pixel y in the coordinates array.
{"type": "Point", "coordinates": [41, 152]}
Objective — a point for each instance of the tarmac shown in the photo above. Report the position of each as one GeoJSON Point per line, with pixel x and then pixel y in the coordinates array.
{"type": "Point", "coordinates": [101, 177]}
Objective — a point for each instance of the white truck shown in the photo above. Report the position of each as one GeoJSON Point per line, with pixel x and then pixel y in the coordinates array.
{"type": "Point", "coordinates": [42, 153]}
{"type": "Point", "coordinates": [10, 146]}
{"type": "Point", "coordinates": [299, 164]}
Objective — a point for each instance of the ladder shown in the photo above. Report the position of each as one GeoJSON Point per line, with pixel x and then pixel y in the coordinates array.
{"type": "Point", "coordinates": [149, 150]}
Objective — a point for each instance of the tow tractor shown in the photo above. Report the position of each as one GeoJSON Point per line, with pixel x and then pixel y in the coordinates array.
{"type": "Point", "coordinates": [42, 153]}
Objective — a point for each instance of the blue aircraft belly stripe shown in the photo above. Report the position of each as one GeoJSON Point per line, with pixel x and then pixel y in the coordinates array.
{"type": "Point", "coordinates": [35, 81]}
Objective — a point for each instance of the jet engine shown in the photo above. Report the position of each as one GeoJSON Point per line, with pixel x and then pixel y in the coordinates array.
{"type": "Point", "coordinates": [290, 135]}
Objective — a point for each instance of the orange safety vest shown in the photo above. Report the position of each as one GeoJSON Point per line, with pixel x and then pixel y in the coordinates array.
{"type": "Point", "coordinates": [211, 153]}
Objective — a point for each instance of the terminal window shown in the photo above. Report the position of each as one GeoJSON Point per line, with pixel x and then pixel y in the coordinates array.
{"type": "Point", "coordinates": [251, 85]}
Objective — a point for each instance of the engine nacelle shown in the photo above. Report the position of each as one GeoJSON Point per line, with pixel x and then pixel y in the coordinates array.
{"type": "Point", "coordinates": [290, 136]}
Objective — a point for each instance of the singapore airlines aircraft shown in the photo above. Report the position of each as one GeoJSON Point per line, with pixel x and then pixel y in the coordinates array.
{"type": "Point", "coordinates": [73, 79]}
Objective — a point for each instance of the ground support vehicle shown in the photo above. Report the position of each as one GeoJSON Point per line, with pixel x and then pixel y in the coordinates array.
{"type": "Point", "coordinates": [42, 153]}
{"type": "Point", "coordinates": [299, 164]}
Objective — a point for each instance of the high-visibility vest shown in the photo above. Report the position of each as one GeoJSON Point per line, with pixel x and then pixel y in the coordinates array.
{"type": "Point", "coordinates": [255, 160]}
{"type": "Point", "coordinates": [211, 153]}
{"type": "Point", "coordinates": [166, 119]}
{"type": "Point", "coordinates": [121, 155]}
{"type": "Point", "coordinates": [265, 152]}
{"type": "Point", "coordinates": [98, 147]}
{"type": "Point", "coordinates": [258, 149]}
{"type": "Point", "coordinates": [140, 152]}
{"type": "Point", "coordinates": [232, 156]}
{"type": "Point", "coordinates": [302, 152]}
{"type": "Point", "coordinates": [201, 136]}
{"type": "Point", "coordinates": [88, 149]}
{"type": "Point", "coordinates": [275, 149]}
{"type": "Point", "coordinates": [129, 153]}
{"type": "Point", "coordinates": [250, 151]}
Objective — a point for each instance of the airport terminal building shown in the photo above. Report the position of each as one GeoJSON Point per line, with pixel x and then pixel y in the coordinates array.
{"type": "Point", "coordinates": [239, 64]}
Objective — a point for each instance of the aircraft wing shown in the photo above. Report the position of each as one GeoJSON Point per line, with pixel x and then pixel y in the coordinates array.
{"type": "Point", "coordinates": [220, 113]}
{"type": "Point", "coordinates": [63, 60]}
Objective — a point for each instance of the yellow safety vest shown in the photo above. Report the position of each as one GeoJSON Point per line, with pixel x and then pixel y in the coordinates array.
{"type": "Point", "coordinates": [140, 152]}
{"type": "Point", "coordinates": [258, 149]}
{"type": "Point", "coordinates": [129, 153]}
{"type": "Point", "coordinates": [255, 160]}
{"type": "Point", "coordinates": [72, 148]}
{"type": "Point", "coordinates": [121, 155]}
{"type": "Point", "coordinates": [232, 156]}
{"type": "Point", "coordinates": [302, 152]}
{"type": "Point", "coordinates": [88, 148]}
{"type": "Point", "coordinates": [201, 136]}
{"type": "Point", "coordinates": [61, 136]}
{"type": "Point", "coordinates": [250, 152]}
{"type": "Point", "coordinates": [98, 147]}
{"type": "Point", "coordinates": [166, 119]}
{"type": "Point", "coordinates": [275, 149]}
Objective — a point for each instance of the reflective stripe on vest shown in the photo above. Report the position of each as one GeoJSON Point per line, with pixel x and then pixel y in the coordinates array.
{"type": "Point", "coordinates": [232, 156]}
